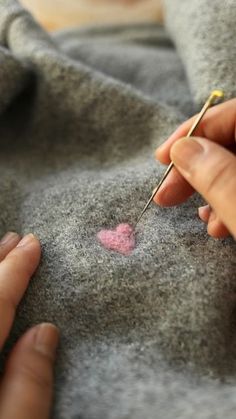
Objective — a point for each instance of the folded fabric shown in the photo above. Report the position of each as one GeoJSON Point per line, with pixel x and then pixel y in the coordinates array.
{"type": "Point", "coordinates": [150, 334]}
{"type": "Point", "coordinates": [204, 33]}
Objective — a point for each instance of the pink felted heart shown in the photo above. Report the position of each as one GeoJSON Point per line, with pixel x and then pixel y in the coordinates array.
{"type": "Point", "coordinates": [121, 239]}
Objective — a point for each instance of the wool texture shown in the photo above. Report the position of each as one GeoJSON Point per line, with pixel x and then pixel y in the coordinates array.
{"type": "Point", "coordinates": [204, 34]}
{"type": "Point", "coordinates": [121, 239]}
{"type": "Point", "coordinates": [81, 113]}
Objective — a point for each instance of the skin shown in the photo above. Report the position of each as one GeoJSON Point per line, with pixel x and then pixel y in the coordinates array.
{"type": "Point", "coordinates": [205, 163]}
{"type": "Point", "coordinates": [26, 386]}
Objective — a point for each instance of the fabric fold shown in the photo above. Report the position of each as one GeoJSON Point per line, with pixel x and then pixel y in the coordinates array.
{"type": "Point", "coordinates": [204, 34]}
{"type": "Point", "coordinates": [14, 77]}
{"type": "Point", "coordinates": [81, 113]}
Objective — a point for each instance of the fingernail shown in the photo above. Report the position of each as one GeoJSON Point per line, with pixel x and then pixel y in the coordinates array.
{"type": "Point", "coordinates": [204, 209]}
{"type": "Point", "coordinates": [8, 238]}
{"type": "Point", "coordinates": [207, 206]}
{"type": "Point", "coordinates": [47, 339]}
{"type": "Point", "coordinates": [26, 240]}
{"type": "Point", "coordinates": [204, 213]}
{"type": "Point", "coordinates": [186, 152]}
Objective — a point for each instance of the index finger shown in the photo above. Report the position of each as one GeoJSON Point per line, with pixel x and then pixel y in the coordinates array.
{"type": "Point", "coordinates": [218, 125]}
{"type": "Point", "coordinates": [15, 272]}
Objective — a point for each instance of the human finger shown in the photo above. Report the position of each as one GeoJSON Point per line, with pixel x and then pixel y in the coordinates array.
{"type": "Point", "coordinates": [15, 273]}
{"type": "Point", "coordinates": [7, 243]}
{"type": "Point", "coordinates": [26, 390]}
{"type": "Point", "coordinates": [204, 213]}
{"type": "Point", "coordinates": [211, 170]}
{"type": "Point", "coordinates": [216, 228]}
{"type": "Point", "coordinates": [174, 191]}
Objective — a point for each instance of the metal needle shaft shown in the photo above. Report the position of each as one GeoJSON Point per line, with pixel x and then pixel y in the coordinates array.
{"type": "Point", "coordinates": [216, 94]}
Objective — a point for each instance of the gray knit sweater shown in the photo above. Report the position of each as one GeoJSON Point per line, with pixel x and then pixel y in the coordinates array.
{"type": "Point", "coordinates": [153, 334]}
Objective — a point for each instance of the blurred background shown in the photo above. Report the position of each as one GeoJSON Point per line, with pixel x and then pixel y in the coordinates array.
{"type": "Point", "coordinates": [56, 14]}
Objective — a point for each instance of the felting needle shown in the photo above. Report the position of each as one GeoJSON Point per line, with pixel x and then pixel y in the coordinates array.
{"type": "Point", "coordinates": [216, 94]}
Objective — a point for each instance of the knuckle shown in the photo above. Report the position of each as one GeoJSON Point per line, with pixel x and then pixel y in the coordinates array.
{"type": "Point", "coordinates": [220, 179]}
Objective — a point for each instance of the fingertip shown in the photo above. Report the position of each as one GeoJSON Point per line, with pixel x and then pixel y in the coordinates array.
{"type": "Point", "coordinates": [8, 242]}
{"type": "Point", "coordinates": [47, 339]}
{"type": "Point", "coordinates": [162, 154]}
{"type": "Point", "coordinates": [174, 191]}
{"type": "Point", "coordinates": [30, 244]}
{"type": "Point", "coordinates": [20, 263]}
{"type": "Point", "coordinates": [217, 229]}
{"type": "Point", "coordinates": [29, 240]}
{"type": "Point", "coordinates": [159, 198]}
{"type": "Point", "coordinates": [204, 213]}
{"type": "Point", "coordinates": [42, 339]}
{"type": "Point", "coordinates": [167, 197]}
{"type": "Point", "coordinates": [9, 237]}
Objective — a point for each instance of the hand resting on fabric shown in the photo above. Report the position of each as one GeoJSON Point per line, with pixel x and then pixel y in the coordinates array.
{"type": "Point", "coordinates": [205, 163]}
{"type": "Point", "coordinates": [26, 386]}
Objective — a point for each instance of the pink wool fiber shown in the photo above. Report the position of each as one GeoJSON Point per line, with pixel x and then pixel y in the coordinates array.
{"type": "Point", "coordinates": [121, 239]}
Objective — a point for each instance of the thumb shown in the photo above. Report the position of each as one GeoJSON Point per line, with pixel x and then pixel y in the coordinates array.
{"type": "Point", "coordinates": [26, 389]}
{"type": "Point", "coordinates": [211, 170]}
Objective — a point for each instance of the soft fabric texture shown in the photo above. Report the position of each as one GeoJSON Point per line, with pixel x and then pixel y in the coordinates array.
{"type": "Point", "coordinates": [121, 239]}
{"type": "Point", "coordinates": [152, 334]}
{"type": "Point", "coordinates": [204, 33]}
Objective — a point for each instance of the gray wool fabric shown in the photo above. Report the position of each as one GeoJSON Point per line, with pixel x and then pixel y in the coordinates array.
{"type": "Point", "coordinates": [81, 113]}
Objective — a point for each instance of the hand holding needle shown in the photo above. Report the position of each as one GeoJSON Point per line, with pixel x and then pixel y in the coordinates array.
{"type": "Point", "coordinates": [216, 94]}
